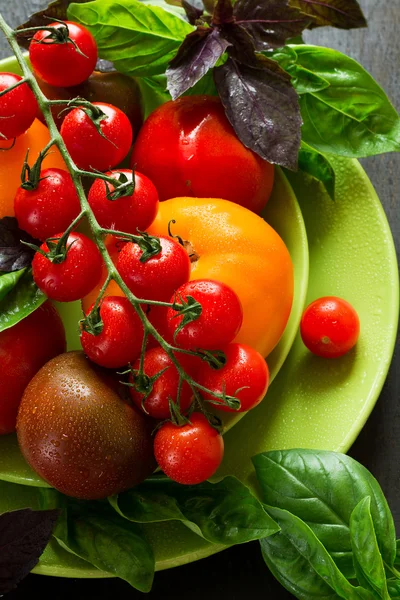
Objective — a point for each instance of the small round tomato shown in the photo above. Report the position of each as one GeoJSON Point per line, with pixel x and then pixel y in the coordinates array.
{"type": "Point", "coordinates": [75, 275]}
{"type": "Point", "coordinates": [190, 453]}
{"type": "Point", "coordinates": [66, 57]}
{"type": "Point", "coordinates": [24, 349]}
{"type": "Point", "coordinates": [330, 327]}
{"type": "Point", "coordinates": [50, 207]}
{"type": "Point", "coordinates": [188, 148]}
{"type": "Point", "coordinates": [158, 277]}
{"type": "Point", "coordinates": [126, 213]}
{"type": "Point", "coordinates": [219, 321]}
{"type": "Point", "coordinates": [120, 339]}
{"type": "Point", "coordinates": [245, 375]}
{"type": "Point", "coordinates": [164, 388]}
{"type": "Point", "coordinates": [18, 107]}
{"type": "Point", "coordinates": [91, 150]}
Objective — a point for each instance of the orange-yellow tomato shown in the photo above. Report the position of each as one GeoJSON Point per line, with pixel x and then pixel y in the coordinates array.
{"type": "Point", "coordinates": [12, 160]}
{"type": "Point", "coordinates": [239, 248]}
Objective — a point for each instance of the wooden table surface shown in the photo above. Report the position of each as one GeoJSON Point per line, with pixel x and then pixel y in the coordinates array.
{"type": "Point", "coordinates": [239, 572]}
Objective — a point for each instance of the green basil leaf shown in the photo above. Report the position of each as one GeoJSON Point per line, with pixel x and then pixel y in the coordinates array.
{"type": "Point", "coordinates": [393, 586]}
{"type": "Point", "coordinates": [322, 488]}
{"type": "Point", "coordinates": [397, 559]}
{"type": "Point", "coordinates": [138, 38]}
{"type": "Point", "coordinates": [8, 281]}
{"type": "Point", "coordinates": [110, 543]}
{"type": "Point", "coordinates": [154, 93]}
{"type": "Point", "coordinates": [352, 116]}
{"type": "Point", "coordinates": [365, 547]}
{"type": "Point", "coordinates": [223, 513]}
{"type": "Point", "coordinates": [21, 301]}
{"type": "Point", "coordinates": [318, 166]}
{"type": "Point", "coordinates": [302, 564]}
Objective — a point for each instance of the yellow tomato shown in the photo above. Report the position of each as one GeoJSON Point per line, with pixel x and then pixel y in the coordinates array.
{"type": "Point", "coordinates": [239, 248]}
{"type": "Point", "coordinates": [12, 160]}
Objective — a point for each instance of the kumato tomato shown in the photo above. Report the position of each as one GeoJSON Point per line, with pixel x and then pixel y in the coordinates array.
{"type": "Point", "coordinates": [238, 248]}
{"type": "Point", "coordinates": [330, 327]}
{"type": "Point", "coordinates": [79, 435]}
{"type": "Point", "coordinates": [190, 453]}
{"type": "Point", "coordinates": [66, 61]}
{"type": "Point", "coordinates": [34, 140]}
{"type": "Point", "coordinates": [18, 107]}
{"type": "Point", "coordinates": [187, 147]}
{"type": "Point", "coordinates": [24, 349]}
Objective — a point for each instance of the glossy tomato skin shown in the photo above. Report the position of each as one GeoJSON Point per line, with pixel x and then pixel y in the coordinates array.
{"type": "Point", "coordinates": [128, 213]}
{"type": "Point", "coordinates": [245, 376]}
{"type": "Point", "coordinates": [191, 453]}
{"type": "Point", "coordinates": [50, 208]}
{"type": "Point", "coordinates": [61, 64]}
{"type": "Point", "coordinates": [89, 149]}
{"type": "Point", "coordinates": [34, 140]}
{"type": "Point", "coordinates": [156, 404]}
{"type": "Point", "coordinates": [158, 277]}
{"type": "Point", "coordinates": [75, 276]}
{"type": "Point", "coordinates": [220, 320]}
{"type": "Point", "coordinates": [18, 107]}
{"type": "Point", "coordinates": [120, 340]}
{"type": "Point", "coordinates": [24, 349]}
{"type": "Point", "coordinates": [187, 147]}
{"type": "Point", "coordinates": [330, 327]}
{"type": "Point", "coordinates": [79, 435]}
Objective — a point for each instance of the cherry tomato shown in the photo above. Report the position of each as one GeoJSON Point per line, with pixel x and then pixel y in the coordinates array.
{"type": "Point", "coordinates": [88, 148]}
{"type": "Point", "coordinates": [75, 276]}
{"type": "Point", "coordinates": [24, 349]}
{"type": "Point", "coordinates": [18, 107]}
{"type": "Point", "coordinates": [158, 277]}
{"type": "Point", "coordinates": [127, 213]}
{"type": "Point", "coordinates": [245, 376]}
{"type": "Point", "coordinates": [191, 453]}
{"type": "Point", "coordinates": [220, 319]}
{"type": "Point", "coordinates": [188, 148]}
{"type": "Point", "coordinates": [165, 387]}
{"type": "Point", "coordinates": [330, 327]}
{"type": "Point", "coordinates": [49, 208]}
{"type": "Point", "coordinates": [63, 63]}
{"type": "Point", "coordinates": [11, 161]}
{"type": "Point", "coordinates": [121, 337]}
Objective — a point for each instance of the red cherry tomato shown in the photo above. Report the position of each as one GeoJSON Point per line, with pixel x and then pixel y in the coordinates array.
{"type": "Point", "coordinates": [158, 277]}
{"type": "Point", "coordinates": [220, 319]}
{"type": "Point", "coordinates": [49, 208]}
{"type": "Point", "coordinates": [24, 349]}
{"type": "Point", "coordinates": [121, 337]}
{"type": "Point", "coordinates": [18, 107]}
{"type": "Point", "coordinates": [88, 148]}
{"type": "Point", "coordinates": [75, 276]}
{"type": "Point", "coordinates": [245, 376]}
{"type": "Point", "coordinates": [165, 387]}
{"type": "Point", "coordinates": [127, 213]}
{"type": "Point", "coordinates": [189, 148]}
{"type": "Point", "coordinates": [63, 63]}
{"type": "Point", "coordinates": [191, 453]}
{"type": "Point", "coordinates": [330, 327]}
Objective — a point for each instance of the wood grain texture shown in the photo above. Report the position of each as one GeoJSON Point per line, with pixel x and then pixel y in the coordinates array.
{"type": "Point", "coordinates": [240, 573]}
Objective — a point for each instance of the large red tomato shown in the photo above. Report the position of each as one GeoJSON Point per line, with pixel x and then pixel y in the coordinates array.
{"type": "Point", "coordinates": [188, 148]}
{"type": "Point", "coordinates": [24, 349]}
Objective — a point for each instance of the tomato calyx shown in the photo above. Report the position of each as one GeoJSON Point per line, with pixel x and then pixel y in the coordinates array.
{"type": "Point", "coordinates": [190, 309]}
{"type": "Point", "coordinates": [93, 323]}
{"type": "Point", "coordinates": [58, 35]}
{"type": "Point", "coordinates": [95, 114]}
{"type": "Point", "coordinates": [122, 187]}
{"type": "Point", "coordinates": [30, 176]}
{"type": "Point", "coordinates": [142, 383]}
{"type": "Point", "coordinates": [193, 256]}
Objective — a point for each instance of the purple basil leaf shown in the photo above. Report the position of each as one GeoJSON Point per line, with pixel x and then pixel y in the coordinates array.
{"type": "Point", "coordinates": [344, 14]}
{"type": "Point", "coordinates": [23, 537]}
{"type": "Point", "coordinates": [192, 12]}
{"type": "Point", "coordinates": [223, 12]}
{"type": "Point", "coordinates": [13, 254]}
{"type": "Point", "coordinates": [270, 22]}
{"type": "Point", "coordinates": [198, 53]}
{"type": "Point", "coordinates": [263, 108]}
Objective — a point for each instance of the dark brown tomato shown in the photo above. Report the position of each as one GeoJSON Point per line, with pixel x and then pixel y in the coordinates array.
{"type": "Point", "coordinates": [79, 435]}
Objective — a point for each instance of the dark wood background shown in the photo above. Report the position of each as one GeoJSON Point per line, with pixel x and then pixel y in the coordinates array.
{"type": "Point", "coordinates": [239, 572]}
